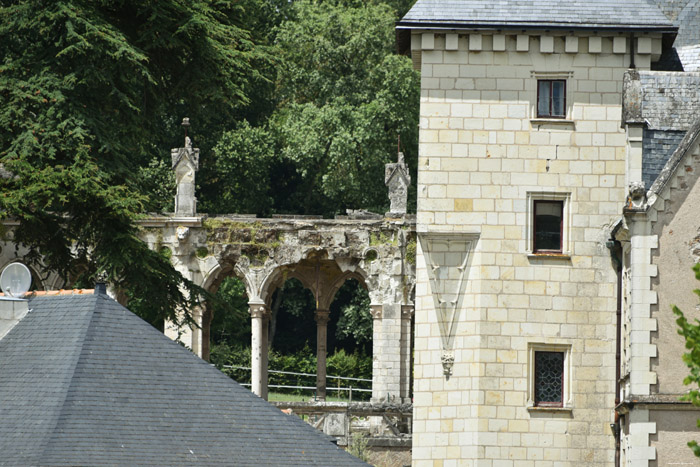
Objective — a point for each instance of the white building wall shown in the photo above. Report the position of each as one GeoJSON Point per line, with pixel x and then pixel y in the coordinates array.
{"type": "Point", "coordinates": [483, 155]}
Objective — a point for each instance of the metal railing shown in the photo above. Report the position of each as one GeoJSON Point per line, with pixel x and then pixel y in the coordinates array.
{"type": "Point", "coordinates": [350, 389]}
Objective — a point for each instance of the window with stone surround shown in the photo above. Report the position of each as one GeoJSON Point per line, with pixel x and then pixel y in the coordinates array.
{"type": "Point", "coordinates": [548, 224]}
{"type": "Point", "coordinates": [549, 379]}
{"type": "Point", "coordinates": [551, 98]}
{"type": "Point", "coordinates": [549, 376]}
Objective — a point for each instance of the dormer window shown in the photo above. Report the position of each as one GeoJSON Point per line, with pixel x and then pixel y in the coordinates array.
{"type": "Point", "coordinates": [551, 98]}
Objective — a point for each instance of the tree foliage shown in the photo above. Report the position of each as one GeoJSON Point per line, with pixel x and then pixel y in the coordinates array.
{"type": "Point", "coordinates": [88, 91]}
{"type": "Point", "coordinates": [691, 333]}
{"type": "Point", "coordinates": [342, 100]}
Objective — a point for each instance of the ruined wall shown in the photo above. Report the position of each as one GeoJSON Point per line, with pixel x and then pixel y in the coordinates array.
{"type": "Point", "coordinates": [484, 158]}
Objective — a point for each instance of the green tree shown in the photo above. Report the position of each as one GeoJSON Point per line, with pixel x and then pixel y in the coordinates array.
{"type": "Point", "coordinates": [691, 333]}
{"type": "Point", "coordinates": [90, 93]}
{"type": "Point", "coordinates": [345, 99]}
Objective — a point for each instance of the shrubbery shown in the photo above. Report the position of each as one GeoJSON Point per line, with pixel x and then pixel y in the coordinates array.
{"type": "Point", "coordinates": [340, 363]}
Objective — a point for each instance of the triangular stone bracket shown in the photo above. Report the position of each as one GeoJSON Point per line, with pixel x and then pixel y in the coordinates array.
{"type": "Point", "coordinates": [447, 257]}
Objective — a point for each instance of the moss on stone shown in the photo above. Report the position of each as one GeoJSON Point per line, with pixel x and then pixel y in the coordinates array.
{"type": "Point", "coordinates": [165, 252]}
{"type": "Point", "coordinates": [411, 252]}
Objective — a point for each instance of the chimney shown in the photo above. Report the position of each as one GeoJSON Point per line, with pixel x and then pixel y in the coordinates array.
{"type": "Point", "coordinates": [12, 310]}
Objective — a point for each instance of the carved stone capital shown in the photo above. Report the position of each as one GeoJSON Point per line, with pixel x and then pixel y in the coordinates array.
{"type": "Point", "coordinates": [376, 311]}
{"type": "Point", "coordinates": [322, 317]}
{"type": "Point", "coordinates": [407, 311]}
{"type": "Point", "coordinates": [259, 311]}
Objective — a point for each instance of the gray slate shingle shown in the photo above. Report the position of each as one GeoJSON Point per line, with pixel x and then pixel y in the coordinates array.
{"type": "Point", "coordinates": [690, 56]}
{"type": "Point", "coordinates": [83, 381]}
{"type": "Point", "coordinates": [657, 148]}
{"type": "Point", "coordinates": [670, 100]}
{"type": "Point", "coordinates": [620, 14]}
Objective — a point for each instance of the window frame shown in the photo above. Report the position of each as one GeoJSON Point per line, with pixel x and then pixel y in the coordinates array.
{"type": "Point", "coordinates": [566, 121]}
{"type": "Point", "coordinates": [566, 224]}
{"type": "Point", "coordinates": [539, 403]}
{"type": "Point", "coordinates": [536, 250]}
{"type": "Point", "coordinates": [551, 99]}
{"type": "Point", "coordinates": [560, 346]}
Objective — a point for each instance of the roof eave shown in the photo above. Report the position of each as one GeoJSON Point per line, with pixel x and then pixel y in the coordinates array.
{"type": "Point", "coordinates": [472, 26]}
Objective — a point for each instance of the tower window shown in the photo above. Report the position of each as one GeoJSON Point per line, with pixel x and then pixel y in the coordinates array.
{"type": "Point", "coordinates": [551, 98]}
{"type": "Point", "coordinates": [549, 379]}
{"type": "Point", "coordinates": [548, 226]}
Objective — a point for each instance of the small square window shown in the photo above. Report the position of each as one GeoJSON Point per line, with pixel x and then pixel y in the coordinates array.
{"type": "Point", "coordinates": [549, 379]}
{"type": "Point", "coordinates": [551, 98]}
{"type": "Point", "coordinates": [548, 226]}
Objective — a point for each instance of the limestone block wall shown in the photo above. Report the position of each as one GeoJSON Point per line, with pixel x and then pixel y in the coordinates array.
{"type": "Point", "coordinates": [484, 158]}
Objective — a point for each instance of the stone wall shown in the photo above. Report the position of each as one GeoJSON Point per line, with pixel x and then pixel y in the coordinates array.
{"type": "Point", "coordinates": [484, 158]}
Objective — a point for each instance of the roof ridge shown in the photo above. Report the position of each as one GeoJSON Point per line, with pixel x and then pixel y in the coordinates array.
{"type": "Point", "coordinates": [40, 293]}
{"type": "Point", "coordinates": [74, 365]}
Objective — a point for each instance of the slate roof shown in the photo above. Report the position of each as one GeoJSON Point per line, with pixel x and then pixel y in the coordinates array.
{"type": "Point", "coordinates": [670, 100]}
{"type": "Point", "coordinates": [686, 15]}
{"type": "Point", "coordinates": [690, 56]}
{"type": "Point", "coordinates": [83, 381]}
{"type": "Point", "coordinates": [600, 14]}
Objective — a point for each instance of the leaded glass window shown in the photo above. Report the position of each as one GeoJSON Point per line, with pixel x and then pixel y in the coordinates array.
{"type": "Point", "coordinates": [549, 379]}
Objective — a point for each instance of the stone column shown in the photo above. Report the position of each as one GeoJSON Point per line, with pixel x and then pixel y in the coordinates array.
{"type": "Point", "coordinates": [406, 317]}
{"type": "Point", "coordinates": [321, 317]}
{"type": "Point", "coordinates": [386, 353]}
{"type": "Point", "coordinates": [259, 316]}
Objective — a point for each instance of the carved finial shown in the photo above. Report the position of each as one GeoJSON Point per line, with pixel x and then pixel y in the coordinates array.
{"type": "Point", "coordinates": [186, 124]}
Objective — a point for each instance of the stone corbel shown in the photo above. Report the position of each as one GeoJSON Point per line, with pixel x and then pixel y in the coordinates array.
{"type": "Point", "coordinates": [447, 357]}
{"type": "Point", "coordinates": [637, 197]}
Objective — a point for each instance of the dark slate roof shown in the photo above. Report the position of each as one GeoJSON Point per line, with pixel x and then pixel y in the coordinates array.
{"type": "Point", "coordinates": [657, 148]}
{"type": "Point", "coordinates": [83, 381]}
{"type": "Point", "coordinates": [670, 100]}
{"type": "Point", "coordinates": [601, 14]}
{"type": "Point", "coordinates": [674, 162]}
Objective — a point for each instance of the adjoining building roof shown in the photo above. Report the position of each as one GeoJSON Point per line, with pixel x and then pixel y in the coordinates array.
{"type": "Point", "coordinates": [689, 56]}
{"type": "Point", "coordinates": [83, 381]}
{"type": "Point", "coordinates": [670, 100]}
{"type": "Point", "coordinates": [598, 14]}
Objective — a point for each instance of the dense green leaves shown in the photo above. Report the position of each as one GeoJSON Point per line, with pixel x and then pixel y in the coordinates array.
{"type": "Point", "coordinates": [343, 98]}
{"type": "Point", "coordinates": [691, 333]}
{"type": "Point", "coordinates": [296, 107]}
{"type": "Point", "coordinates": [89, 92]}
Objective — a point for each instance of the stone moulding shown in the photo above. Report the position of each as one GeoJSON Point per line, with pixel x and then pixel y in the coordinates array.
{"type": "Point", "coordinates": [447, 257]}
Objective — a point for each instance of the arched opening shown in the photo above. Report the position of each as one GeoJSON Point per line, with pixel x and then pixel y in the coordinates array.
{"type": "Point", "coordinates": [350, 334]}
{"type": "Point", "coordinates": [293, 343]}
{"type": "Point", "coordinates": [226, 324]}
